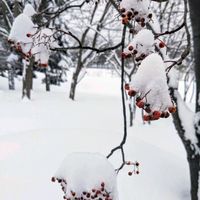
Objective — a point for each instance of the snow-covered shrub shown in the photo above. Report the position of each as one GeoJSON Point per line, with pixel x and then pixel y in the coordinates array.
{"type": "Point", "coordinates": [87, 176]}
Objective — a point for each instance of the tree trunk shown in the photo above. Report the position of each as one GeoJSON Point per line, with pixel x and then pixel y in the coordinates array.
{"type": "Point", "coordinates": [47, 80]}
{"type": "Point", "coordinates": [75, 77]}
{"type": "Point", "coordinates": [194, 167]}
{"type": "Point", "coordinates": [193, 156]}
{"type": "Point", "coordinates": [27, 79]}
{"type": "Point", "coordinates": [195, 21]}
{"type": "Point", "coordinates": [11, 80]}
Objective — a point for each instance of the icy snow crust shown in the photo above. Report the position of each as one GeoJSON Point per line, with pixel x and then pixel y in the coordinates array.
{"type": "Point", "coordinates": [150, 79]}
{"type": "Point", "coordinates": [86, 171]}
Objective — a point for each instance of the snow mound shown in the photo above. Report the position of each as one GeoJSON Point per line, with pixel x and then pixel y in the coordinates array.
{"type": "Point", "coordinates": [87, 176]}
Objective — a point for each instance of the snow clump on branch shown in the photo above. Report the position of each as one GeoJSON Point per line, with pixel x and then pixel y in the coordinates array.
{"type": "Point", "coordinates": [28, 40]}
{"type": "Point", "coordinates": [141, 46]}
{"type": "Point", "coordinates": [137, 10]}
{"type": "Point", "coordinates": [150, 85]}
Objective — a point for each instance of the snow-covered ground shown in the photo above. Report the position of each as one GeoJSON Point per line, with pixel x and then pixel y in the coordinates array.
{"type": "Point", "coordinates": [36, 135]}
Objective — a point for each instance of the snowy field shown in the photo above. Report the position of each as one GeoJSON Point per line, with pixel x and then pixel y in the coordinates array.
{"type": "Point", "coordinates": [36, 135]}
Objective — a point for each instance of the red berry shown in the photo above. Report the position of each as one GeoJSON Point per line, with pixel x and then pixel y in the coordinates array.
{"type": "Point", "coordinates": [43, 65]}
{"type": "Point", "coordinates": [132, 93]}
{"type": "Point", "coordinates": [161, 44]}
{"type": "Point", "coordinates": [129, 14]}
{"type": "Point", "coordinates": [130, 173]}
{"type": "Point", "coordinates": [148, 110]}
{"type": "Point", "coordinates": [138, 99]}
{"type": "Point", "coordinates": [156, 114]}
{"type": "Point", "coordinates": [147, 118]}
{"type": "Point", "coordinates": [53, 179]}
{"type": "Point", "coordinates": [28, 35]}
{"type": "Point", "coordinates": [140, 104]}
{"type": "Point", "coordinates": [172, 109]}
{"type": "Point", "coordinates": [102, 184]}
{"type": "Point", "coordinates": [135, 52]}
{"type": "Point", "coordinates": [123, 10]}
{"type": "Point", "coordinates": [123, 15]}
{"type": "Point", "coordinates": [127, 87]}
{"type": "Point", "coordinates": [130, 48]}
{"type": "Point", "coordinates": [137, 164]}
{"type": "Point", "coordinates": [73, 193]}
{"type": "Point", "coordinates": [123, 55]}
{"type": "Point", "coordinates": [128, 162]}
{"type": "Point", "coordinates": [142, 24]}
{"type": "Point", "coordinates": [166, 114]}
{"type": "Point", "coordinates": [88, 195]}
{"type": "Point", "coordinates": [150, 15]}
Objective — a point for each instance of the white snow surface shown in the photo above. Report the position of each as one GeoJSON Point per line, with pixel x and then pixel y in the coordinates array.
{"type": "Point", "coordinates": [86, 171]}
{"type": "Point", "coordinates": [36, 135]}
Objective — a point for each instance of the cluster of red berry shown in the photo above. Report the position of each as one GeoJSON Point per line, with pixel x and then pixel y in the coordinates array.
{"type": "Point", "coordinates": [143, 104]}
{"type": "Point", "coordinates": [25, 56]}
{"type": "Point", "coordinates": [135, 168]}
{"type": "Point", "coordinates": [18, 48]}
{"type": "Point", "coordinates": [99, 193]}
{"type": "Point", "coordinates": [134, 52]}
{"type": "Point", "coordinates": [133, 14]}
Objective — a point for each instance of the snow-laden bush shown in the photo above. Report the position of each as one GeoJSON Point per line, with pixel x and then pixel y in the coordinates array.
{"type": "Point", "coordinates": [87, 176]}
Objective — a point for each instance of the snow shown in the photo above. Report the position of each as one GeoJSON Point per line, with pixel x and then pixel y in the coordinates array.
{"type": "Point", "coordinates": [36, 135]}
{"type": "Point", "coordinates": [141, 6]}
{"type": "Point", "coordinates": [150, 80]}
{"type": "Point", "coordinates": [143, 42]}
{"type": "Point", "coordinates": [29, 10]}
{"type": "Point", "coordinates": [188, 119]}
{"type": "Point", "coordinates": [22, 25]}
{"type": "Point", "coordinates": [12, 58]}
{"type": "Point", "coordinates": [84, 172]}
